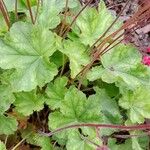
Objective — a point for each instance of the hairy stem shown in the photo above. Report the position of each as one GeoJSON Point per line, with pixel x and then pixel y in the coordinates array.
{"type": "Point", "coordinates": [5, 13]}
{"type": "Point", "coordinates": [64, 20]}
{"type": "Point", "coordinates": [133, 22]}
{"type": "Point", "coordinates": [16, 9]}
{"type": "Point", "coordinates": [103, 35]}
{"type": "Point", "coordinates": [63, 65]}
{"type": "Point", "coordinates": [131, 135]}
{"type": "Point", "coordinates": [94, 125]}
{"type": "Point", "coordinates": [75, 18]}
{"type": "Point", "coordinates": [30, 11]}
{"type": "Point", "coordinates": [37, 10]}
{"type": "Point", "coordinates": [89, 141]}
{"type": "Point", "coordinates": [61, 32]}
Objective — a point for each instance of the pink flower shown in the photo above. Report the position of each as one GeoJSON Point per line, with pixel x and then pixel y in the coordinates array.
{"type": "Point", "coordinates": [148, 50]}
{"type": "Point", "coordinates": [146, 60]}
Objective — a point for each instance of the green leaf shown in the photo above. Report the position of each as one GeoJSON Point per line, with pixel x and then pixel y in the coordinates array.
{"type": "Point", "coordinates": [76, 142]}
{"type": "Point", "coordinates": [37, 139]}
{"type": "Point", "coordinates": [137, 103]}
{"type": "Point", "coordinates": [140, 143]}
{"type": "Point", "coordinates": [135, 144]}
{"type": "Point", "coordinates": [111, 89]}
{"type": "Point", "coordinates": [49, 16]}
{"type": "Point", "coordinates": [6, 98]}
{"type": "Point", "coordinates": [77, 54]}
{"type": "Point", "coordinates": [3, 26]}
{"type": "Point", "coordinates": [109, 107]}
{"type": "Point", "coordinates": [2, 146]}
{"type": "Point", "coordinates": [26, 49]}
{"type": "Point", "coordinates": [122, 65]}
{"type": "Point", "coordinates": [112, 143]}
{"type": "Point", "coordinates": [110, 110]}
{"type": "Point", "coordinates": [21, 5]}
{"type": "Point", "coordinates": [58, 58]}
{"type": "Point", "coordinates": [75, 108]}
{"type": "Point", "coordinates": [56, 92]}
{"type": "Point", "coordinates": [32, 2]}
{"type": "Point", "coordinates": [8, 125]}
{"type": "Point", "coordinates": [10, 5]}
{"type": "Point", "coordinates": [5, 77]}
{"type": "Point", "coordinates": [28, 102]}
{"type": "Point", "coordinates": [93, 23]}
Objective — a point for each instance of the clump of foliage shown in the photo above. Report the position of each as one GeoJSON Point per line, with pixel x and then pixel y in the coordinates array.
{"type": "Point", "coordinates": [64, 71]}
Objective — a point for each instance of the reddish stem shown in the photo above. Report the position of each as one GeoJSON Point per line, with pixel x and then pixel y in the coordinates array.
{"type": "Point", "coordinates": [37, 10]}
{"type": "Point", "coordinates": [5, 13]}
{"type": "Point", "coordinates": [97, 133]}
{"type": "Point", "coordinates": [131, 135]}
{"type": "Point", "coordinates": [110, 25]}
{"type": "Point", "coordinates": [110, 126]}
{"type": "Point", "coordinates": [64, 20]}
{"type": "Point", "coordinates": [30, 11]}
{"type": "Point", "coordinates": [16, 9]}
{"type": "Point", "coordinates": [75, 18]}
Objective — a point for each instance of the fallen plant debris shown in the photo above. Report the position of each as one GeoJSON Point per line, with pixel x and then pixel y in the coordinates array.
{"type": "Point", "coordinates": [70, 78]}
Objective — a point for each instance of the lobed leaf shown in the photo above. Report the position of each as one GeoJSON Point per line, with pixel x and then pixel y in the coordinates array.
{"type": "Point", "coordinates": [28, 102]}
{"type": "Point", "coordinates": [8, 125]}
{"type": "Point", "coordinates": [137, 104]}
{"type": "Point", "coordinates": [92, 23]}
{"type": "Point", "coordinates": [75, 108]}
{"type": "Point", "coordinates": [6, 98]}
{"type": "Point", "coordinates": [77, 54]}
{"type": "Point", "coordinates": [109, 107]}
{"type": "Point", "coordinates": [49, 16]}
{"type": "Point", "coordinates": [121, 65]}
{"type": "Point", "coordinates": [56, 92]}
{"type": "Point", "coordinates": [37, 139]}
{"type": "Point", "coordinates": [26, 49]}
{"type": "Point", "coordinates": [76, 142]}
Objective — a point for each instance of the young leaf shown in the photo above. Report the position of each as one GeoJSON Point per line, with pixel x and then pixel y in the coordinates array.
{"type": "Point", "coordinates": [56, 92]}
{"type": "Point", "coordinates": [137, 103]}
{"type": "Point", "coordinates": [26, 49]}
{"type": "Point", "coordinates": [93, 23]}
{"type": "Point", "coordinates": [75, 108]}
{"type": "Point", "coordinates": [6, 98]}
{"type": "Point", "coordinates": [28, 102]}
{"type": "Point", "coordinates": [2, 146]}
{"type": "Point", "coordinates": [121, 65]}
{"type": "Point", "coordinates": [77, 54]}
{"type": "Point", "coordinates": [8, 125]}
